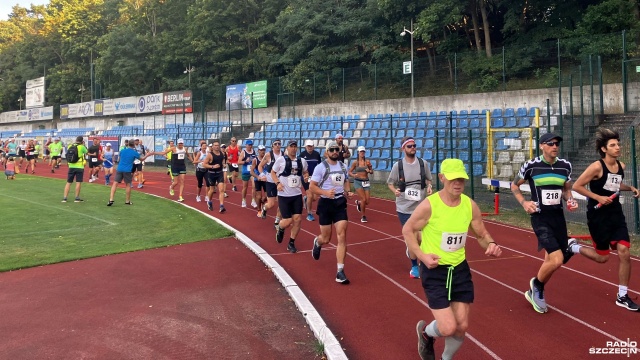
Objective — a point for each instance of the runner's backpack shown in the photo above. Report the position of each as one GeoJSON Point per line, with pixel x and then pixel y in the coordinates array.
{"type": "Point", "coordinates": [288, 166]}
{"type": "Point", "coordinates": [326, 171]}
{"type": "Point", "coordinates": [402, 184]}
{"type": "Point", "coordinates": [72, 154]}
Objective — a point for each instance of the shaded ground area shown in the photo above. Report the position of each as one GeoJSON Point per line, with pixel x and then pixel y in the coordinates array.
{"type": "Point", "coordinates": [206, 300]}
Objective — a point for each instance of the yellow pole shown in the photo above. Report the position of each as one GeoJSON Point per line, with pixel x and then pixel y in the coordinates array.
{"type": "Point", "coordinates": [489, 146]}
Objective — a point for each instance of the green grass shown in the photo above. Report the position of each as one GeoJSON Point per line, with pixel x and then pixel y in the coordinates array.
{"type": "Point", "coordinates": [514, 217]}
{"type": "Point", "coordinates": [38, 229]}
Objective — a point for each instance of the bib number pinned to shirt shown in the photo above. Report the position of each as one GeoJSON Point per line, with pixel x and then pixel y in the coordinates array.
{"type": "Point", "coordinates": [551, 197]}
{"type": "Point", "coordinates": [180, 156]}
{"type": "Point", "coordinates": [613, 182]}
{"type": "Point", "coordinates": [293, 181]}
{"type": "Point", "coordinates": [95, 160]}
{"type": "Point", "coordinates": [248, 167]}
{"type": "Point", "coordinates": [337, 179]}
{"type": "Point", "coordinates": [453, 241]}
{"type": "Point", "coordinates": [234, 166]}
{"type": "Point", "coordinates": [412, 194]}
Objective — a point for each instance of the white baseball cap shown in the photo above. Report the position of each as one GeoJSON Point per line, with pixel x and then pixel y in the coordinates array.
{"type": "Point", "coordinates": [180, 141]}
{"type": "Point", "coordinates": [308, 143]}
{"type": "Point", "coordinates": [108, 144]}
{"type": "Point", "coordinates": [361, 148]}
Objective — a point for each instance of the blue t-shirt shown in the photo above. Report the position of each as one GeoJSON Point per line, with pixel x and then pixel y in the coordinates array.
{"type": "Point", "coordinates": [127, 156]}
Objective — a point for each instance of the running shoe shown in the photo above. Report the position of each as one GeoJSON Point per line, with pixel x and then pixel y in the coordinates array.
{"type": "Point", "coordinates": [425, 342]}
{"type": "Point", "coordinates": [110, 203]}
{"type": "Point", "coordinates": [52, 171]}
{"type": "Point", "coordinates": [536, 297]}
{"type": "Point", "coordinates": [140, 186]}
{"type": "Point", "coordinates": [342, 278]}
{"type": "Point", "coordinates": [244, 203]}
{"type": "Point", "coordinates": [206, 198]}
{"type": "Point", "coordinates": [92, 179]}
{"type": "Point", "coordinates": [363, 219]}
{"type": "Point", "coordinates": [263, 214]}
{"type": "Point", "coordinates": [198, 199]}
{"type": "Point", "coordinates": [64, 199]}
{"type": "Point", "coordinates": [180, 199]}
{"type": "Point", "coordinates": [222, 209]}
{"type": "Point", "coordinates": [226, 195]}
{"type": "Point", "coordinates": [316, 249]}
{"type": "Point", "coordinates": [292, 248]}
{"type": "Point", "coordinates": [210, 205]}
{"type": "Point", "coordinates": [254, 204]}
{"type": "Point", "coordinates": [279, 234]}
{"type": "Point", "coordinates": [78, 200]}
{"type": "Point", "coordinates": [567, 252]}
{"type": "Point", "coordinates": [310, 217]}
{"type": "Point", "coordinates": [107, 183]}
{"type": "Point", "coordinates": [627, 303]}
{"type": "Point", "coordinates": [171, 192]}
{"type": "Point", "coordinates": [414, 273]}
{"type": "Point", "coordinates": [358, 205]}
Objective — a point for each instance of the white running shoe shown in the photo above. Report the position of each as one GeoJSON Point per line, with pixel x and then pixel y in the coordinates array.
{"type": "Point", "coordinates": [244, 203]}
{"type": "Point", "coordinates": [198, 198]}
{"type": "Point", "coordinates": [206, 198]}
{"type": "Point", "coordinates": [254, 204]}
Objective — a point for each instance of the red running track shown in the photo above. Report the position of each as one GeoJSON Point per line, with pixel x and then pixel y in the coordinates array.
{"type": "Point", "coordinates": [374, 317]}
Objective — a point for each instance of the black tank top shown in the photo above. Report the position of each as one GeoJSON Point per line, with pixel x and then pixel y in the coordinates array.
{"type": "Point", "coordinates": [216, 159]}
{"type": "Point", "coordinates": [607, 185]}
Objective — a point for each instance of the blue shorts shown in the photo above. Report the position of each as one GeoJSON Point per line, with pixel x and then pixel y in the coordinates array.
{"type": "Point", "coordinates": [107, 164]}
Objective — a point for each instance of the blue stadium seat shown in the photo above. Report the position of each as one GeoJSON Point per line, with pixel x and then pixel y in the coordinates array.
{"type": "Point", "coordinates": [400, 133]}
{"type": "Point", "coordinates": [463, 144]}
{"type": "Point", "coordinates": [430, 134]}
{"type": "Point", "coordinates": [509, 112]}
{"type": "Point", "coordinates": [410, 132]}
{"type": "Point", "coordinates": [477, 170]}
{"type": "Point", "coordinates": [382, 165]}
{"type": "Point", "coordinates": [463, 123]}
{"type": "Point", "coordinates": [431, 124]}
{"type": "Point", "coordinates": [498, 122]}
{"type": "Point", "coordinates": [427, 154]}
{"type": "Point", "coordinates": [521, 112]}
{"type": "Point", "coordinates": [365, 133]}
{"type": "Point", "coordinates": [420, 132]}
{"type": "Point", "coordinates": [433, 115]}
{"type": "Point", "coordinates": [429, 144]}
{"type": "Point", "coordinates": [441, 124]}
{"type": "Point", "coordinates": [378, 143]}
{"type": "Point", "coordinates": [375, 154]}
{"type": "Point", "coordinates": [496, 113]}
{"type": "Point", "coordinates": [386, 144]}
{"type": "Point", "coordinates": [510, 122]}
{"type": "Point", "coordinates": [383, 133]}
{"type": "Point", "coordinates": [524, 122]}
{"type": "Point", "coordinates": [385, 154]}
{"type": "Point", "coordinates": [419, 143]}
{"type": "Point", "coordinates": [373, 133]}
{"type": "Point", "coordinates": [369, 143]}
{"type": "Point", "coordinates": [532, 112]}
{"type": "Point", "coordinates": [422, 115]}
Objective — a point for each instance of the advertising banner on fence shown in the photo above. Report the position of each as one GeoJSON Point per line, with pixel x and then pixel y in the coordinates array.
{"type": "Point", "coordinates": [126, 105]}
{"type": "Point", "coordinates": [161, 143]}
{"type": "Point", "coordinates": [149, 104]}
{"type": "Point", "coordinates": [35, 93]}
{"type": "Point", "coordinates": [239, 95]}
{"type": "Point", "coordinates": [80, 110]}
{"type": "Point", "coordinates": [45, 113]}
{"type": "Point", "coordinates": [107, 107]}
{"type": "Point", "coordinates": [176, 102]}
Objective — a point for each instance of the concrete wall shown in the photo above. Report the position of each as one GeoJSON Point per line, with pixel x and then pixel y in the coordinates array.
{"type": "Point", "coordinates": [612, 100]}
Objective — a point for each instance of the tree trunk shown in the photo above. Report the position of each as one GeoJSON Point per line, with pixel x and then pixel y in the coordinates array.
{"type": "Point", "coordinates": [476, 29]}
{"type": "Point", "coordinates": [432, 61]}
{"type": "Point", "coordinates": [444, 33]}
{"type": "Point", "coordinates": [486, 27]}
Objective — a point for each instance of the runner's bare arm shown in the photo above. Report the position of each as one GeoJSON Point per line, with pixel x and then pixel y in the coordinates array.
{"type": "Point", "coordinates": [352, 168]}
{"type": "Point", "coordinates": [411, 232]}
{"type": "Point", "coordinates": [265, 160]}
{"type": "Point", "coordinates": [528, 206]}
{"type": "Point", "coordinates": [580, 186]}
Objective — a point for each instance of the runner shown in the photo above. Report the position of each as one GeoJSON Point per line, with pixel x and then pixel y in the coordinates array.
{"type": "Point", "coordinates": [410, 182]}
{"type": "Point", "coordinates": [55, 149]}
{"type": "Point", "coordinates": [605, 218]}
{"type": "Point", "coordinates": [246, 160]}
{"type": "Point", "coordinates": [178, 167]}
{"type": "Point", "coordinates": [201, 171]}
{"type": "Point", "coordinates": [344, 150]}
{"type": "Point", "coordinates": [11, 149]}
{"type": "Point", "coordinates": [47, 152]}
{"type": "Point", "coordinates": [30, 152]}
{"type": "Point", "coordinates": [259, 180]}
{"type": "Point", "coordinates": [360, 170]}
{"type": "Point", "coordinates": [95, 159]}
{"type": "Point", "coordinates": [313, 158]}
{"type": "Point", "coordinates": [330, 181]}
{"type": "Point", "coordinates": [233, 154]}
{"type": "Point", "coordinates": [10, 168]}
{"type": "Point", "coordinates": [215, 163]}
{"type": "Point", "coordinates": [75, 160]}
{"type": "Point", "coordinates": [139, 164]}
{"type": "Point", "coordinates": [108, 162]}
{"type": "Point", "coordinates": [288, 173]}
{"type": "Point", "coordinates": [125, 171]}
{"type": "Point", "coordinates": [272, 191]}
{"type": "Point", "coordinates": [550, 182]}
{"type": "Point", "coordinates": [22, 154]}
{"type": "Point", "coordinates": [443, 221]}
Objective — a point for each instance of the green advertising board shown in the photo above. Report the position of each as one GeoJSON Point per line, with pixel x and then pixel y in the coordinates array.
{"type": "Point", "coordinates": [239, 96]}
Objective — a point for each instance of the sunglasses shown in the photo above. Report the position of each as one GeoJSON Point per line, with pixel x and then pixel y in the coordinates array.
{"type": "Point", "coordinates": [233, 141]}
{"type": "Point", "coordinates": [276, 144]}
{"type": "Point", "coordinates": [333, 150]}
{"type": "Point", "coordinates": [410, 146]}
{"type": "Point", "coordinates": [553, 143]}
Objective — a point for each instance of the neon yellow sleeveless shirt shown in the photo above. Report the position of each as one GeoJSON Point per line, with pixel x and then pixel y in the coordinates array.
{"type": "Point", "coordinates": [446, 232]}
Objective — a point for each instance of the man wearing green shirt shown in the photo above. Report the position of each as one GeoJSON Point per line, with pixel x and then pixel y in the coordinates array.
{"type": "Point", "coordinates": [55, 151]}
{"type": "Point", "coordinates": [76, 168]}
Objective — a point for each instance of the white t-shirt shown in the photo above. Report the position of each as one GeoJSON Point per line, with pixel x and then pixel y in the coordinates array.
{"type": "Point", "coordinates": [337, 178]}
{"type": "Point", "coordinates": [292, 185]}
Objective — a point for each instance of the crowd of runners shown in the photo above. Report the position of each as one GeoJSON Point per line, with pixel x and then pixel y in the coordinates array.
{"type": "Point", "coordinates": [287, 182]}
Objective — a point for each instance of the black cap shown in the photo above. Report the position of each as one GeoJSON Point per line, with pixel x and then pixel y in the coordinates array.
{"type": "Point", "coordinates": [292, 142]}
{"type": "Point", "coordinates": [548, 137]}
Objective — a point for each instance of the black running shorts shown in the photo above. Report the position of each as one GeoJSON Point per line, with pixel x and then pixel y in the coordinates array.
{"type": "Point", "coordinates": [272, 189]}
{"type": "Point", "coordinates": [607, 227]}
{"type": "Point", "coordinates": [330, 211]}
{"type": "Point", "coordinates": [551, 229]}
{"type": "Point", "coordinates": [290, 205]}
{"type": "Point", "coordinates": [434, 283]}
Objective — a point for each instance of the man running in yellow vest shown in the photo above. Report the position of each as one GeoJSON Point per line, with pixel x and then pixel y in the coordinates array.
{"type": "Point", "coordinates": [443, 220]}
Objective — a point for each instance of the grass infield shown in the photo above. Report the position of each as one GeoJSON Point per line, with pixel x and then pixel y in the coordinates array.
{"type": "Point", "coordinates": [38, 229]}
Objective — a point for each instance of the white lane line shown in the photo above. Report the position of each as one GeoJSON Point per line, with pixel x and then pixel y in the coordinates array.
{"type": "Point", "coordinates": [61, 208]}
